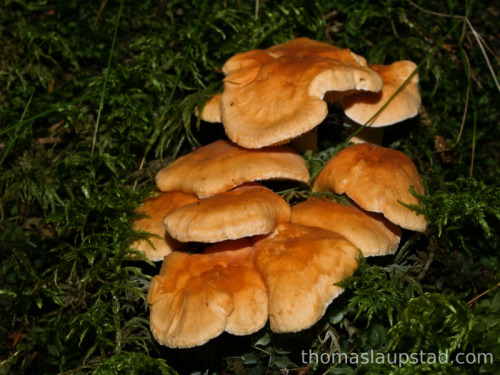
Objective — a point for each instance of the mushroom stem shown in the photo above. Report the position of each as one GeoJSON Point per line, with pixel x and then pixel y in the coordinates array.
{"type": "Point", "coordinates": [307, 141]}
{"type": "Point", "coordinates": [368, 135]}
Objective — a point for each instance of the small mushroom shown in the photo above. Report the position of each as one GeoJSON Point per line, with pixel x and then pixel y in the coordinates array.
{"type": "Point", "coordinates": [222, 165]}
{"type": "Point", "coordinates": [362, 106]}
{"type": "Point", "coordinates": [368, 231]}
{"type": "Point", "coordinates": [378, 179]}
{"type": "Point", "coordinates": [247, 210]}
{"type": "Point", "coordinates": [154, 210]}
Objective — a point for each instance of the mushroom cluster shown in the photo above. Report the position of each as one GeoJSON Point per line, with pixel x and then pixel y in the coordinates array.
{"type": "Point", "coordinates": [264, 260]}
{"type": "Point", "coordinates": [273, 95]}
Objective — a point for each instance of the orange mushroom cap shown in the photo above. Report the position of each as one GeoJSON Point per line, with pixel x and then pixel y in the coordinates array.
{"type": "Point", "coordinates": [274, 95]}
{"type": "Point", "coordinates": [299, 266]}
{"type": "Point", "coordinates": [222, 165]}
{"type": "Point", "coordinates": [377, 179]}
{"type": "Point", "coordinates": [368, 231]}
{"type": "Point", "coordinates": [361, 107]}
{"type": "Point", "coordinates": [247, 210]}
{"type": "Point", "coordinates": [155, 209]}
{"type": "Point", "coordinates": [211, 111]}
{"type": "Point", "coordinates": [197, 297]}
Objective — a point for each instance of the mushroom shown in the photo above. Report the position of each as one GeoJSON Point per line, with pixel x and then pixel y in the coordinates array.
{"type": "Point", "coordinates": [211, 110]}
{"type": "Point", "coordinates": [378, 179]}
{"type": "Point", "coordinates": [368, 231]}
{"type": "Point", "coordinates": [247, 210]}
{"type": "Point", "coordinates": [197, 297]}
{"type": "Point", "coordinates": [307, 141]}
{"type": "Point", "coordinates": [266, 265]}
{"type": "Point", "coordinates": [222, 165]}
{"type": "Point", "coordinates": [300, 266]}
{"type": "Point", "coordinates": [288, 275]}
{"type": "Point", "coordinates": [154, 211]}
{"type": "Point", "coordinates": [362, 106]}
{"type": "Point", "coordinates": [273, 95]}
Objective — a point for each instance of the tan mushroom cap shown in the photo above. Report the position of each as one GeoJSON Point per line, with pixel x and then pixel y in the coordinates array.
{"type": "Point", "coordinates": [211, 112]}
{"type": "Point", "coordinates": [377, 179]}
{"type": "Point", "coordinates": [155, 209]}
{"type": "Point", "coordinates": [362, 106]}
{"type": "Point", "coordinates": [247, 210]}
{"type": "Point", "coordinates": [300, 265]}
{"type": "Point", "coordinates": [368, 231]}
{"type": "Point", "coordinates": [274, 95]}
{"type": "Point", "coordinates": [222, 165]}
{"type": "Point", "coordinates": [197, 297]}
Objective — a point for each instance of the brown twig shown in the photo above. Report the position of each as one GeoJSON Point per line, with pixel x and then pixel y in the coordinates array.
{"type": "Point", "coordinates": [482, 294]}
{"type": "Point", "coordinates": [430, 258]}
{"type": "Point", "coordinates": [103, 4]}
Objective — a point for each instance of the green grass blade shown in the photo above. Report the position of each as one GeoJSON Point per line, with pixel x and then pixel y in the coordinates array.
{"type": "Point", "coordinates": [106, 76]}
{"type": "Point", "coordinates": [18, 126]}
{"type": "Point", "coordinates": [469, 85]}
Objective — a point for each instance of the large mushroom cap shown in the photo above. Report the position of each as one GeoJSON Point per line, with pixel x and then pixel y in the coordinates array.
{"type": "Point", "coordinates": [222, 165]}
{"type": "Point", "coordinates": [368, 231]}
{"type": "Point", "coordinates": [378, 179]}
{"type": "Point", "coordinates": [361, 107]}
{"type": "Point", "coordinates": [300, 266]}
{"type": "Point", "coordinates": [273, 95]}
{"type": "Point", "coordinates": [247, 210]}
{"type": "Point", "coordinates": [155, 209]}
{"type": "Point", "coordinates": [197, 297]}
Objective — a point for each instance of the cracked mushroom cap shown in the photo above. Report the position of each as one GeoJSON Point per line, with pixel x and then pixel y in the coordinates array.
{"type": "Point", "coordinates": [197, 297]}
{"type": "Point", "coordinates": [222, 165]}
{"type": "Point", "coordinates": [299, 266]}
{"type": "Point", "coordinates": [368, 231]}
{"type": "Point", "coordinates": [361, 107]}
{"type": "Point", "coordinates": [377, 179]}
{"type": "Point", "coordinates": [155, 209]}
{"type": "Point", "coordinates": [247, 210]}
{"type": "Point", "coordinates": [273, 95]}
